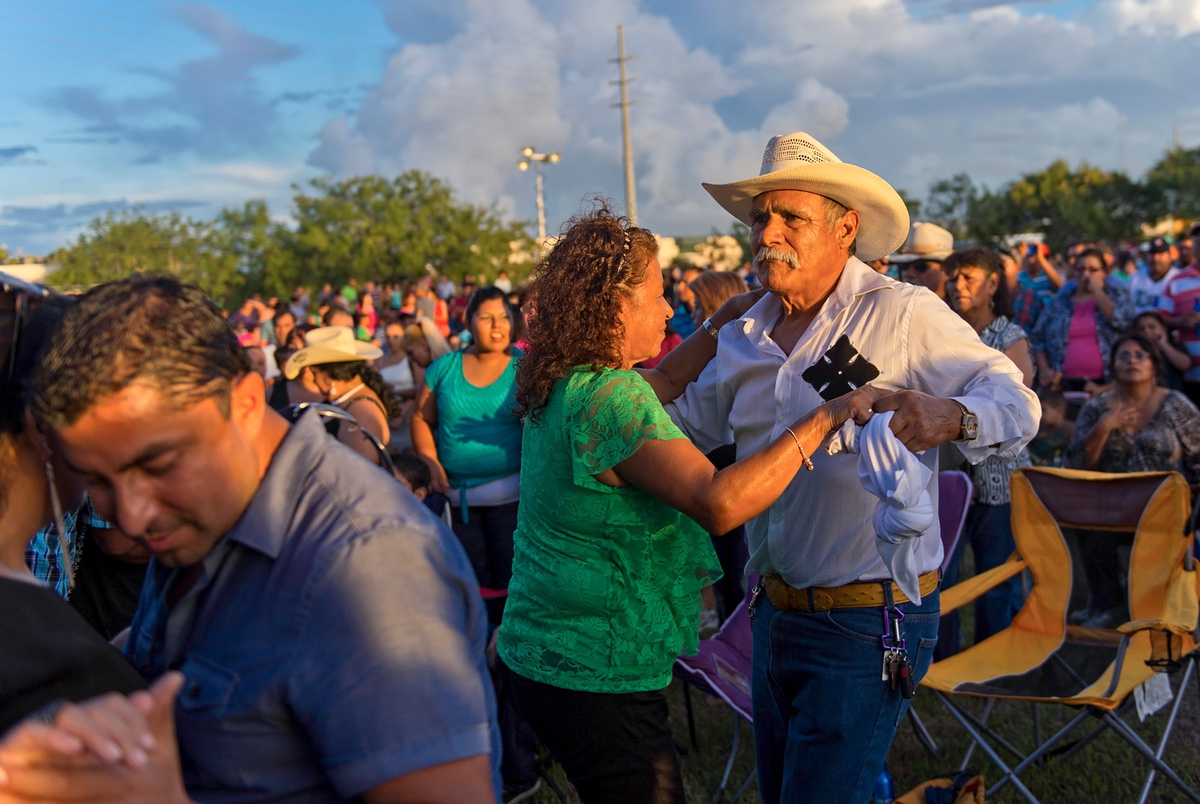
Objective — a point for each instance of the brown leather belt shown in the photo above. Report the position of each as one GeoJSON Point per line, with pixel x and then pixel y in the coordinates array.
{"type": "Point", "coordinates": [863, 594]}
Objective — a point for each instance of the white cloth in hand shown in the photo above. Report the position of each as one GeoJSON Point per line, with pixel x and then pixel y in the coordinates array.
{"type": "Point", "coordinates": [888, 470]}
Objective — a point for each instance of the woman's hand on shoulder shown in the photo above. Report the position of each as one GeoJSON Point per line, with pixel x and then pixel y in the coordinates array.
{"type": "Point", "coordinates": [736, 306]}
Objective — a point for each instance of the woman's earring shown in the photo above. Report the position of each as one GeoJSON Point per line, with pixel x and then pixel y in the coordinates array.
{"type": "Point", "coordinates": [64, 548]}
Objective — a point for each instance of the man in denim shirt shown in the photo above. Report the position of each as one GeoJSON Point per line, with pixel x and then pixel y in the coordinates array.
{"type": "Point", "coordinates": [327, 625]}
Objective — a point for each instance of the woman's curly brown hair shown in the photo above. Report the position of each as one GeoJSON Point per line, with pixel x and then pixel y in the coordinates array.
{"type": "Point", "coordinates": [575, 301]}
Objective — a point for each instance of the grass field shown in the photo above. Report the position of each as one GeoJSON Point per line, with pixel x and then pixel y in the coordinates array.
{"type": "Point", "coordinates": [1107, 770]}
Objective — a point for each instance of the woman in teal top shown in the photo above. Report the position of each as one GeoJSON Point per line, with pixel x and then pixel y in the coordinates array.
{"type": "Point", "coordinates": [611, 547]}
{"type": "Point", "coordinates": [466, 429]}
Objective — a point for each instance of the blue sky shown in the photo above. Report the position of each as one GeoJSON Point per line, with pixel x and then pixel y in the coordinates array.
{"type": "Point", "coordinates": [203, 105]}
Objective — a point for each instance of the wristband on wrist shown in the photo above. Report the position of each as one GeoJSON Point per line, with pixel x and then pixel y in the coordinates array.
{"type": "Point", "coordinates": [710, 327]}
{"type": "Point", "coordinates": [804, 460]}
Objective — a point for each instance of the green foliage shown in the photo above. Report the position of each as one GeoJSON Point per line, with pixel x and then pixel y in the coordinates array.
{"type": "Point", "coordinates": [118, 244]}
{"type": "Point", "coordinates": [369, 227]}
{"type": "Point", "coordinates": [365, 228]}
{"type": "Point", "coordinates": [913, 204]}
{"type": "Point", "coordinates": [1173, 185]}
{"type": "Point", "coordinates": [255, 243]}
{"type": "Point", "coordinates": [949, 204]}
{"type": "Point", "coordinates": [1067, 205]}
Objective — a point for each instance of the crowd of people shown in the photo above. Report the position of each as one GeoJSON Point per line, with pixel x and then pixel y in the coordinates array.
{"type": "Point", "coordinates": [490, 517]}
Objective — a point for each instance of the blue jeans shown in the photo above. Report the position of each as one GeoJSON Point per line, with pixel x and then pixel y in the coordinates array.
{"type": "Point", "coordinates": [989, 532]}
{"type": "Point", "coordinates": [823, 718]}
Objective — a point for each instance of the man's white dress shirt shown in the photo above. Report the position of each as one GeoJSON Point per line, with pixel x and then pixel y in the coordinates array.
{"type": "Point", "coordinates": [819, 532]}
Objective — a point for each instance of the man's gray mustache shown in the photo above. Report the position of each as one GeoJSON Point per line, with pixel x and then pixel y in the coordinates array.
{"type": "Point", "coordinates": [769, 254]}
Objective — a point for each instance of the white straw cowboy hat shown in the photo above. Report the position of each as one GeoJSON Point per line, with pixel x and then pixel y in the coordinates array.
{"type": "Point", "coordinates": [928, 241]}
{"type": "Point", "coordinates": [799, 162]}
{"type": "Point", "coordinates": [329, 345]}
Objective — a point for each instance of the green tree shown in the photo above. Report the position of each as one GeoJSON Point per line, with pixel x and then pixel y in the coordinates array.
{"type": "Point", "coordinates": [371, 227]}
{"type": "Point", "coordinates": [913, 204]}
{"type": "Point", "coordinates": [256, 244]}
{"type": "Point", "coordinates": [949, 204]}
{"type": "Point", "coordinates": [1064, 204]}
{"type": "Point", "coordinates": [1173, 184]}
{"type": "Point", "coordinates": [117, 244]}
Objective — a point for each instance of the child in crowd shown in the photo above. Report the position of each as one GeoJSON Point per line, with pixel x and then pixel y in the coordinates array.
{"type": "Point", "coordinates": [413, 473]}
{"type": "Point", "coordinates": [1054, 431]}
{"type": "Point", "coordinates": [1176, 361]}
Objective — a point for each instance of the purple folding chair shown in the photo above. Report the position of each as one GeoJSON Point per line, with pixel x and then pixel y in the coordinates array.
{"type": "Point", "coordinates": [721, 667]}
{"type": "Point", "coordinates": [954, 498]}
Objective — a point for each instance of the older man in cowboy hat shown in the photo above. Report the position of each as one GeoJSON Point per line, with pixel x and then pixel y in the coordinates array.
{"type": "Point", "coordinates": [827, 696]}
{"type": "Point", "coordinates": [928, 245]}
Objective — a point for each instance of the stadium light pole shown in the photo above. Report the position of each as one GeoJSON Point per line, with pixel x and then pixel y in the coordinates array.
{"type": "Point", "coordinates": [531, 157]}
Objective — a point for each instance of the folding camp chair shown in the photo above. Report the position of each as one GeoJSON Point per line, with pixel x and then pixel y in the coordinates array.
{"type": "Point", "coordinates": [1063, 522]}
{"type": "Point", "coordinates": [721, 667]}
{"type": "Point", "coordinates": [954, 499]}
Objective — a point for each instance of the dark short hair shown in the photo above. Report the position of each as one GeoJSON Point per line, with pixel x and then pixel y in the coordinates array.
{"type": "Point", "coordinates": [486, 294]}
{"type": "Point", "coordinates": [1052, 398]}
{"type": "Point", "coordinates": [413, 469]}
{"type": "Point", "coordinates": [143, 328]}
{"type": "Point", "coordinates": [987, 261]}
{"type": "Point", "coordinates": [1147, 346]}
{"type": "Point", "coordinates": [1092, 251]}
{"type": "Point", "coordinates": [37, 333]}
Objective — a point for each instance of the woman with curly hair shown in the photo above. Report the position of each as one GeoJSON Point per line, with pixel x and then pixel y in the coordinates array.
{"type": "Point", "coordinates": [611, 547]}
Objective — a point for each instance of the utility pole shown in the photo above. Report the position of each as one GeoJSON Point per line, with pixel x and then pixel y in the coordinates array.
{"type": "Point", "coordinates": [627, 143]}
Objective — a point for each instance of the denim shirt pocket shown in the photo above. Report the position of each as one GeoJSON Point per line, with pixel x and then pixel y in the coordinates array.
{"type": "Point", "coordinates": [208, 687]}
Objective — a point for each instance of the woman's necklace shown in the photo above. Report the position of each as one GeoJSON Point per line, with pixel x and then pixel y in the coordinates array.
{"type": "Point", "coordinates": [346, 396]}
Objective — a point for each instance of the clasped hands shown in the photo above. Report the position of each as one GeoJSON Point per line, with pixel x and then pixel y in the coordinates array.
{"type": "Point", "coordinates": [920, 421]}
{"type": "Point", "coordinates": [109, 748]}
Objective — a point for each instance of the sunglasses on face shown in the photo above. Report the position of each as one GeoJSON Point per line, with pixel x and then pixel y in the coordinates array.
{"type": "Point", "coordinates": [1126, 357]}
{"type": "Point", "coordinates": [18, 299]}
{"type": "Point", "coordinates": [921, 266]}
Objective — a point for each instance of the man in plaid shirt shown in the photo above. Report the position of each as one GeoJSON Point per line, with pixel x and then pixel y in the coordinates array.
{"type": "Point", "coordinates": [44, 556]}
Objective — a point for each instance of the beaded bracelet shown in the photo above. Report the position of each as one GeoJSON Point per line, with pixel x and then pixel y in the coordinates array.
{"type": "Point", "coordinates": [803, 458]}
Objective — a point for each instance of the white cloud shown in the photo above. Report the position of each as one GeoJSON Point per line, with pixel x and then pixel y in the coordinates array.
{"type": "Point", "coordinates": [915, 90]}
{"type": "Point", "coordinates": [1175, 17]}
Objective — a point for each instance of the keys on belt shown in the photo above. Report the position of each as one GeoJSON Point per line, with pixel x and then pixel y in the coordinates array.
{"type": "Point", "coordinates": [897, 669]}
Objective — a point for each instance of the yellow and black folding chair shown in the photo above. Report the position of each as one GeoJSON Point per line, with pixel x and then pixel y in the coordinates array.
{"type": "Point", "coordinates": [1068, 526]}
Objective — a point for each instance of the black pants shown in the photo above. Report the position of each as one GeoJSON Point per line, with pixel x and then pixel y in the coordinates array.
{"type": "Point", "coordinates": [616, 748]}
{"type": "Point", "coordinates": [487, 536]}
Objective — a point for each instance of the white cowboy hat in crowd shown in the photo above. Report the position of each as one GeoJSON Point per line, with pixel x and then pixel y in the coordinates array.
{"type": "Point", "coordinates": [799, 162]}
{"type": "Point", "coordinates": [329, 345]}
{"type": "Point", "coordinates": [927, 241]}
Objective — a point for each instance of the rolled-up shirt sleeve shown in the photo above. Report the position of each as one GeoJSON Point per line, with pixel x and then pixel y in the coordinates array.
{"type": "Point", "coordinates": [947, 359]}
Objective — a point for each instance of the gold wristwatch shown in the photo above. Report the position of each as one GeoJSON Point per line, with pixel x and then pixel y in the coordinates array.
{"type": "Point", "coordinates": [969, 429]}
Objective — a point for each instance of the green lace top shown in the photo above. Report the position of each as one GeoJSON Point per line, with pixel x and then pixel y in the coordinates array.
{"type": "Point", "coordinates": [605, 592]}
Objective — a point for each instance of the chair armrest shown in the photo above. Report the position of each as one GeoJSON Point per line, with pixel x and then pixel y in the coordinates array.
{"type": "Point", "coordinates": [966, 591]}
{"type": "Point", "coordinates": [1180, 612]}
{"type": "Point", "coordinates": [1134, 626]}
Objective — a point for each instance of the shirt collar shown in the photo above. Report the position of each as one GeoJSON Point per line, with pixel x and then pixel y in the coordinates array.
{"type": "Point", "coordinates": [266, 521]}
{"type": "Point", "coordinates": [857, 279]}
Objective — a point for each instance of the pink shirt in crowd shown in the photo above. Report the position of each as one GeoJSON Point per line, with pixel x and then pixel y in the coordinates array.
{"type": "Point", "coordinates": [1082, 358]}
